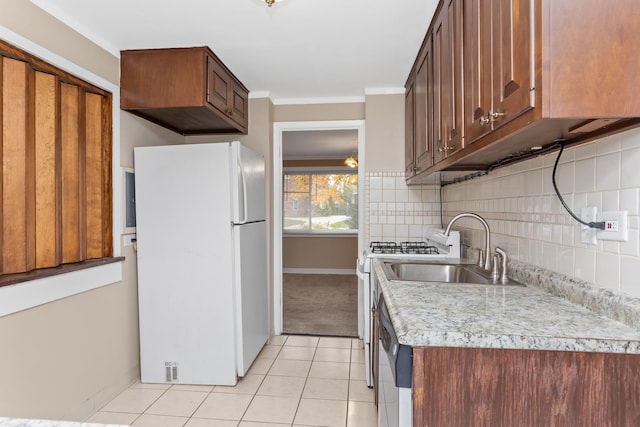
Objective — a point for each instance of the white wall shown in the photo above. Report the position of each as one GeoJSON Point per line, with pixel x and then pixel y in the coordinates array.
{"type": "Point", "coordinates": [528, 220]}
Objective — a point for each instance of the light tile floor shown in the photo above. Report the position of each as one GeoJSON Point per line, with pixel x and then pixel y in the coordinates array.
{"type": "Point", "coordinates": [295, 381]}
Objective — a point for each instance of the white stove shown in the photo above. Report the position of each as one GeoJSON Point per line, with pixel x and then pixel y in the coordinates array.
{"type": "Point", "coordinates": [435, 246]}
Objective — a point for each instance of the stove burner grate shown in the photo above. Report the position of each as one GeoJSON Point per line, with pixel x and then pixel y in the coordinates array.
{"type": "Point", "coordinates": [420, 248]}
{"type": "Point", "coordinates": [385, 248]}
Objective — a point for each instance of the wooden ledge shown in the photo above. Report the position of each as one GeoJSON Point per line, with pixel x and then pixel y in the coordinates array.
{"type": "Point", "coordinates": [12, 279]}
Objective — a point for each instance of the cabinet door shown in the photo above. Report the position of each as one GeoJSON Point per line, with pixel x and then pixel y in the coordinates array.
{"type": "Point", "coordinates": [218, 86]}
{"type": "Point", "coordinates": [424, 110]}
{"type": "Point", "coordinates": [225, 94]}
{"type": "Point", "coordinates": [477, 66]}
{"type": "Point", "coordinates": [461, 387]}
{"type": "Point", "coordinates": [409, 130]}
{"type": "Point", "coordinates": [440, 89]}
{"type": "Point", "coordinates": [512, 59]}
{"type": "Point", "coordinates": [449, 58]}
{"type": "Point", "coordinates": [455, 130]}
{"type": "Point", "coordinates": [239, 105]}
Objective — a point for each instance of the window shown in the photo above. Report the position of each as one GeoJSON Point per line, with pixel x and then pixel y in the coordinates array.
{"type": "Point", "coordinates": [56, 154]}
{"type": "Point", "coordinates": [320, 202]}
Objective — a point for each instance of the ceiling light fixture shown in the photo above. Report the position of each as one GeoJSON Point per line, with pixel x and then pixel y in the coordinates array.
{"type": "Point", "coordinates": [271, 2]}
{"type": "Point", "coordinates": [351, 161]}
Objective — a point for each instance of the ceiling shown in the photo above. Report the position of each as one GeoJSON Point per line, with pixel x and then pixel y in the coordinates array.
{"type": "Point", "coordinates": [295, 51]}
{"type": "Point", "coordinates": [319, 144]}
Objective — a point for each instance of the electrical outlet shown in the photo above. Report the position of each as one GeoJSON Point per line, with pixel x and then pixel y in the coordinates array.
{"type": "Point", "coordinates": [588, 214]}
{"type": "Point", "coordinates": [615, 226]}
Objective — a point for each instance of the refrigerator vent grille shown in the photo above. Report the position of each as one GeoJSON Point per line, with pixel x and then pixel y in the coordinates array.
{"type": "Point", "coordinates": [171, 371]}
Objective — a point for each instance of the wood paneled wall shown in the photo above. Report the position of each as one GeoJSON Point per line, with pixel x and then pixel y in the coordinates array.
{"type": "Point", "coordinates": [56, 166]}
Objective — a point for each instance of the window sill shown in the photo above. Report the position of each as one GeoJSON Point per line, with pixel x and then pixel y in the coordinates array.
{"type": "Point", "coordinates": [27, 290]}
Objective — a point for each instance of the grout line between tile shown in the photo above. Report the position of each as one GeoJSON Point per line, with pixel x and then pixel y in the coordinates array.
{"type": "Point", "coordinates": [350, 371]}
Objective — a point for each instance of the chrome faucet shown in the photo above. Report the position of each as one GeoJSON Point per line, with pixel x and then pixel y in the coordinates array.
{"type": "Point", "coordinates": [504, 258]}
{"type": "Point", "coordinates": [487, 236]}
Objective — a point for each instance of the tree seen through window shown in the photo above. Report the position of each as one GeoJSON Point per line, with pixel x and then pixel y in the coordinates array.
{"type": "Point", "coordinates": [320, 201]}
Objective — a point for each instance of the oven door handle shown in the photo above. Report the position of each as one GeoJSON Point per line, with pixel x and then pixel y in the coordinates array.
{"type": "Point", "coordinates": [385, 338]}
{"type": "Point", "coordinates": [360, 262]}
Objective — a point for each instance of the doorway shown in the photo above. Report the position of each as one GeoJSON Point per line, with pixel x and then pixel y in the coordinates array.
{"type": "Point", "coordinates": [283, 151]}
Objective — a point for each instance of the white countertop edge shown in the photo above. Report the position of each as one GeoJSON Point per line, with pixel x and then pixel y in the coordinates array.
{"type": "Point", "coordinates": [519, 342]}
{"type": "Point", "coordinates": [25, 295]}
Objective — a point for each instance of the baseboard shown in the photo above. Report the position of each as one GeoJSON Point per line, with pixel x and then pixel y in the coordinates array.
{"type": "Point", "coordinates": [319, 270]}
{"type": "Point", "coordinates": [104, 396]}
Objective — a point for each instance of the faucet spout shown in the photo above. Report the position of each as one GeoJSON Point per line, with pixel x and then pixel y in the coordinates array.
{"type": "Point", "coordinates": [487, 235]}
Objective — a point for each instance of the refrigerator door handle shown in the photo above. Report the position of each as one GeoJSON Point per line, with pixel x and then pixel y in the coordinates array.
{"type": "Point", "coordinates": [244, 194]}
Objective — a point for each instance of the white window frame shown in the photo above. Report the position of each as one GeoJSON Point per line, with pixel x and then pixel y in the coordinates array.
{"type": "Point", "coordinates": [320, 171]}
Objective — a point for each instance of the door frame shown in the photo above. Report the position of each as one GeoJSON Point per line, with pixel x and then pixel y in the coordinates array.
{"type": "Point", "coordinates": [278, 129]}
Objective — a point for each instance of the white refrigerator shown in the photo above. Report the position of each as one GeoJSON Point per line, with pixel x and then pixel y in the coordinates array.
{"type": "Point", "coordinates": [202, 262]}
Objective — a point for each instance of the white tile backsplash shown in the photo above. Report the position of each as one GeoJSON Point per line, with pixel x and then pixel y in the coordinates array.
{"type": "Point", "coordinates": [629, 200]}
{"type": "Point", "coordinates": [585, 267]}
{"type": "Point", "coordinates": [608, 270]}
{"type": "Point", "coordinates": [629, 274]}
{"type": "Point", "coordinates": [629, 171]}
{"type": "Point", "coordinates": [608, 171]}
{"type": "Point", "coordinates": [523, 211]}
{"type": "Point", "coordinates": [584, 176]}
{"type": "Point", "coordinates": [397, 212]}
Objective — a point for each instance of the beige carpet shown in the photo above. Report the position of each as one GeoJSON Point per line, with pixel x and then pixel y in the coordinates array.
{"type": "Point", "coordinates": [320, 304]}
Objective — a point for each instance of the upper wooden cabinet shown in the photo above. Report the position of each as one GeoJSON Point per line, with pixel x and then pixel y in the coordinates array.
{"type": "Point", "coordinates": [447, 52]}
{"type": "Point", "coordinates": [419, 100]}
{"type": "Point", "coordinates": [513, 74]}
{"type": "Point", "coordinates": [498, 52]}
{"type": "Point", "coordinates": [187, 90]}
{"type": "Point", "coordinates": [409, 135]}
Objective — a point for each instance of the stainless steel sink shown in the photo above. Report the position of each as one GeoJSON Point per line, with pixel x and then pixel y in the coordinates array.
{"type": "Point", "coordinates": [440, 273]}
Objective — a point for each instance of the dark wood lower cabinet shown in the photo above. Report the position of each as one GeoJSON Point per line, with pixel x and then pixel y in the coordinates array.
{"type": "Point", "coordinates": [494, 387]}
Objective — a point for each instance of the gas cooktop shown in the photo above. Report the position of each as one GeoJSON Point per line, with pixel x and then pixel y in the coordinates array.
{"type": "Point", "coordinates": [419, 248]}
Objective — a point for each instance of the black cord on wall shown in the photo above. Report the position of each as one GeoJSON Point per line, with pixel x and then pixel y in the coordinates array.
{"type": "Point", "coordinates": [598, 225]}
{"type": "Point", "coordinates": [522, 156]}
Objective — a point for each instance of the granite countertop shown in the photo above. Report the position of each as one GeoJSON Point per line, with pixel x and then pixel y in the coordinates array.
{"type": "Point", "coordinates": [550, 313]}
{"type": "Point", "coordinates": [21, 422]}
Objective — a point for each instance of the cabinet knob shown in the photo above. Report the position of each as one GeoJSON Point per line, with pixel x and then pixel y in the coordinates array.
{"type": "Point", "coordinates": [229, 111]}
{"type": "Point", "coordinates": [446, 148]}
{"type": "Point", "coordinates": [493, 115]}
